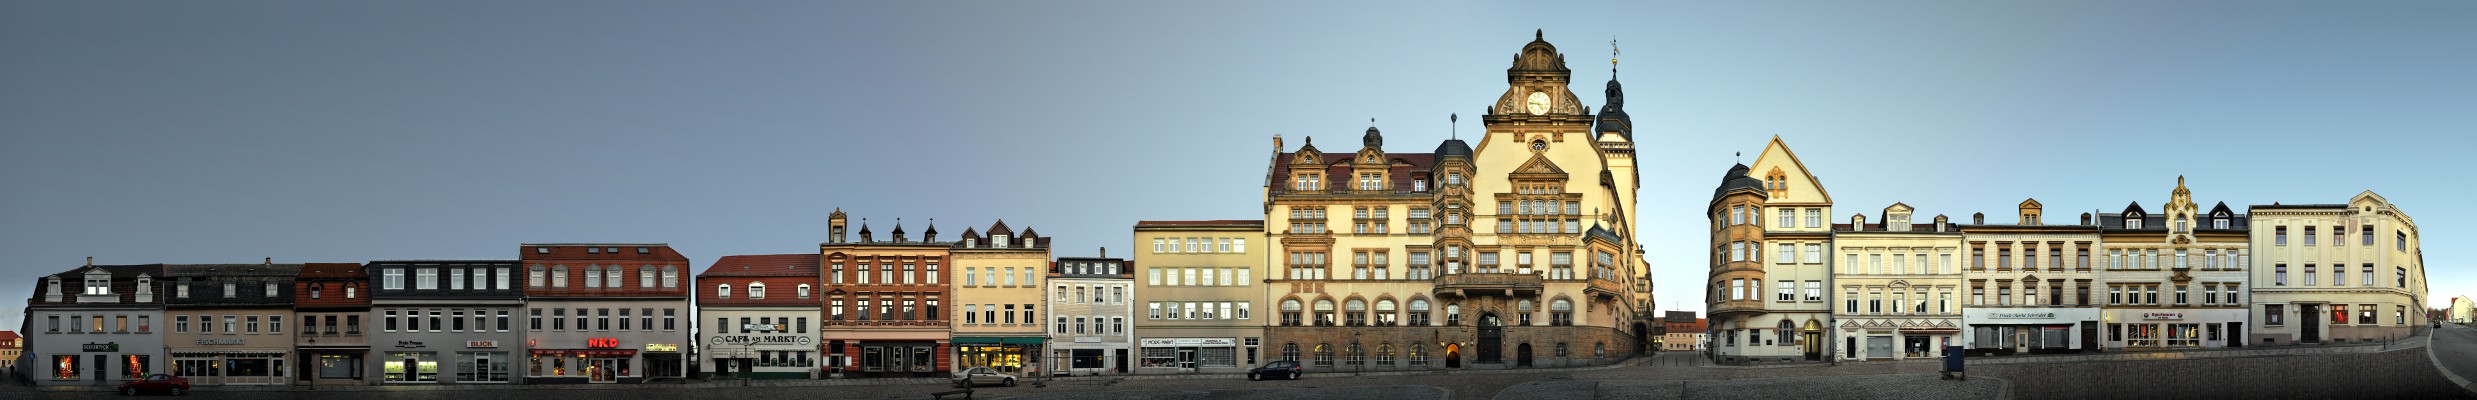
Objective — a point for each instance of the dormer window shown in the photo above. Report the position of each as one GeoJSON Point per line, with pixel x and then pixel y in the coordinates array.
{"type": "Point", "coordinates": [1309, 182]}
{"type": "Point", "coordinates": [756, 290]}
{"type": "Point", "coordinates": [2219, 223]}
{"type": "Point", "coordinates": [722, 291]}
{"type": "Point", "coordinates": [2133, 221]}
{"type": "Point", "coordinates": [314, 289]}
{"type": "Point", "coordinates": [998, 241]}
{"type": "Point", "coordinates": [231, 289]}
{"type": "Point", "coordinates": [98, 286]}
{"type": "Point", "coordinates": [804, 291]}
{"type": "Point", "coordinates": [180, 289]}
{"type": "Point", "coordinates": [349, 290]}
{"type": "Point", "coordinates": [146, 286]}
{"type": "Point", "coordinates": [270, 290]}
{"type": "Point", "coordinates": [1419, 185]}
{"type": "Point", "coordinates": [2180, 224]}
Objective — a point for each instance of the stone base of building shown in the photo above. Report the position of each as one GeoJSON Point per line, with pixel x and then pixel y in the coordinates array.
{"type": "Point", "coordinates": [1386, 348]}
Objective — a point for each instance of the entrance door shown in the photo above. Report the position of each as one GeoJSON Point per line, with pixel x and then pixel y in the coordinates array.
{"type": "Point", "coordinates": [1186, 358]}
{"type": "Point", "coordinates": [100, 362]}
{"type": "Point", "coordinates": [1122, 361]}
{"type": "Point", "coordinates": [1814, 346]}
{"type": "Point", "coordinates": [602, 370]}
{"type": "Point", "coordinates": [1453, 355]}
{"type": "Point", "coordinates": [2089, 335]}
{"type": "Point", "coordinates": [2236, 334]}
{"type": "Point", "coordinates": [1522, 355]}
{"type": "Point", "coordinates": [2309, 323]}
{"type": "Point", "coordinates": [1491, 337]}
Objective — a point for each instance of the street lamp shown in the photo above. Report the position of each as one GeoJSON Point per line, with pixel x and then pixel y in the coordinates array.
{"type": "Point", "coordinates": [1360, 360]}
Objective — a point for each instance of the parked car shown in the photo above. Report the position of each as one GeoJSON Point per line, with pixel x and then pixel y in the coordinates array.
{"type": "Point", "coordinates": [157, 383]}
{"type": "Point", "coordinates": [1277, 369]}
{"type": "Point", "coordinates": [977, 376]}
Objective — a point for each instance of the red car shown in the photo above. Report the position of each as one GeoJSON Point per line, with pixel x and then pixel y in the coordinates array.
{"type": "Point", "coordinates": [157, 383]}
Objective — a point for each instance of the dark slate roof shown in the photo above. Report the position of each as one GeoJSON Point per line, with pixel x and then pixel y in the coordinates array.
{"type": "Point", "coordinates": [2221, 209]}
{"type": "Point", "coordinates": [379, 291]}
{"type": "Point", "coordinates": [2134, 208]}
{"type": "Point", "coordinates": [1602, 233]}
{"type": "Point", "coordinates": [1680, 316]}
{"type": "Point", "coordinates": [1406, 168]}
{"type": "Point", "coordinates": [1736, 180]}
{"type": "Point", "coordinates": [1453, 148]}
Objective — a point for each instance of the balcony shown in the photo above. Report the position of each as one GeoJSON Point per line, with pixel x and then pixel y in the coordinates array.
{"type": "Point", "coordinates": [1499, 284]}
{"type": "Point", "coordinates": [1727, 308]}
{"type": "Point", "coordinates": [1604, 289]}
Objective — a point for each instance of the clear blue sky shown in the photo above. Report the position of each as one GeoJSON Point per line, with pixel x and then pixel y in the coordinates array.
{"type": "Point", "coordinates": [141, 132]}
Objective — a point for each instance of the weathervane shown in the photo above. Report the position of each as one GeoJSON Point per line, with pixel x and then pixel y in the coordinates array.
{"type": "Point", "coordinates": [1612, 55]}
{"type": "Point", "coordinates": [1454, 121]}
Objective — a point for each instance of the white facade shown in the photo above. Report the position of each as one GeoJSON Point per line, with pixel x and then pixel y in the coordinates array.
{"type": "Point", "coordinates": [1897, 288]}
{"type": "Point", "coordinates": [2336, 273]}
{"type": "Point", "coordinates": [1092, 321]}
{"type": "Point", "coordinates": [2029, 286]}
{"type": "Point", "coordinates": [764, 341]}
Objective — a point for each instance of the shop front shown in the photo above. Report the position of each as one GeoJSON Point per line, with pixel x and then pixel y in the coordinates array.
{"type": "Point", "coordinates": [1004, 354]}
{"type": "Point", "coordinates": [232, 367]}
{"type": "Point", "coordinates": [428, 362]}
{"type": "Point", "coordinates": [584, 366]}
{"type": "Point", "coordinates": [759, 356]}
{"type": "Point", "coordinates": [879, 359]}
{"type": "Point", "coordinates": [2173, 329]}
{"type": "Point", "coordinates": [92, 363]}
{"type": "Point", "coordinates": [2005, 331]}
{"type": "Point", "coordinates": [1176, 355]}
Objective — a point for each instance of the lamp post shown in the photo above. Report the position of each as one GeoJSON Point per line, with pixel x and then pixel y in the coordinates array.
{"type": "Point", "coordinates": [1360, 360]}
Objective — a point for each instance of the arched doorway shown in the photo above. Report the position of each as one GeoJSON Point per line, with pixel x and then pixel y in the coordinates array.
{"type": "Point", "coordinates": [1522, 355]}
{"type": "Point", "coordinates": [1453, 355]}
{"type": "Point", "coordinates": [1491, 339]}
{"type": "Point", "coordinates": [1812, 337]}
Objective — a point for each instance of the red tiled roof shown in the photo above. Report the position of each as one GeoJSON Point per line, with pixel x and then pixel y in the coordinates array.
{"type": "Point", "coordinates": [332, 271]}
{"type": "Point", "coordinates": [1338, 168]}
{"type": "Point", "coordinates": [763, 265]}
{"type": "Point", "coordinates": [1215, 222]}
{"type": "Point", "coordinates": [8, 339]}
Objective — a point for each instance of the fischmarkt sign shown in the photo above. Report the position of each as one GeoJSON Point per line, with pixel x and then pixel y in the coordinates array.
{"type": "Point", "coordinates": [743, 340]}
{"type": "Point", "coordinates": [2022, 315]}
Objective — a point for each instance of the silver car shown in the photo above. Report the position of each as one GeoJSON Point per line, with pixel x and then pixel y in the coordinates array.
{"type": "Point", "coordinates": [977, 376]}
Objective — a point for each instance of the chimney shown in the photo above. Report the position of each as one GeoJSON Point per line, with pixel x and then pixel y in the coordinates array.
{"type": "Point", "coordinates": [270, 260]}
{"type": "Point", "coordinates": [1978, 218]}
{"type": "Point", "coordinates": [1104, 251]}
{"type": "Point", "coordinates": [2085, 219]}
{"type": "Point", "coordinates": [90, 261]}
{"type": "Point", "coordinates": [1277, 143]}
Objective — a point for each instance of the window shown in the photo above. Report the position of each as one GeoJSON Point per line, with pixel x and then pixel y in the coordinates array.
{"type": "Point", "coordinates": [2279, 236]}
{"type": "Point", "coordinates": [391, 278]}
{"type": "Point", "coordinates": [2279, 274]}
{"type": "Point", "coordinates": [1788, 291]}
{"type": "Point", "coordinates": [2339, 314]}
{"type": "Point", "coordinates": [1814, 290]}
{"type": "Point", "coordinates": [559, 276]}
{"type": "Point", "coordinates": [2309, 236]}
{"type": "Point", "coordinates": [1814, 218]}
{"type": "Point", "coordinates": [2309, 275]}
{"type": "Point", "coordinates": [2368, 274]}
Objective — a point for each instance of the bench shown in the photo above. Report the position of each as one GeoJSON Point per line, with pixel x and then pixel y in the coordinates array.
{"type": "Point", "coordinates": [965, 392]}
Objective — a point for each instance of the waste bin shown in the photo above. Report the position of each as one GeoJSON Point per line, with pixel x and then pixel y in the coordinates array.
{"type": "Point", "coordinates": [1952, 363]}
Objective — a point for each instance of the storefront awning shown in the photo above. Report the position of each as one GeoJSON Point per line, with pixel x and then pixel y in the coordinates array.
{"type": "Point", "coordinates": [586, 353]}
{"type": "Point", "coordinates": [998, 340]}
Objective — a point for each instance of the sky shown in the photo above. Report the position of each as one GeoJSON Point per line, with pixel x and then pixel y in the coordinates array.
{"type": "Point", "coordinates": [214, 132]}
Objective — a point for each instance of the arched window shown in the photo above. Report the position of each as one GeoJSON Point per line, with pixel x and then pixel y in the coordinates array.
{"type": "Point", "coordinates": [756, 290]}
{"type": "Point", "coordinates": [1561, 352]}
{"type": "Point", "coordinates": [722, 291]}
{"type": "Point", "coordinates": [559, 276]}
{"type": "Point", "coordinates": [1324, 355]}
{"type": "Point", "coordinates": [534, 276]}
{"type": "Point", "coordinates": [645, 277]}
{"type": "Point", "coordinates": [804, 291]}
{"type": "Point", "coordinates": [1324, 312]}
{"type": "Point", "coordinates": [1561, 312]}
{"type": "Point", "coordinates": [1419, 354]}
{"type": "Point", "coordinates": [1357, 312]}
{"type": "Point", "coordinates": [1290, 352]}
{"type": "Point", "coordinates": [1290, 314]}
{"type": "Point", "coordinates": [1788, 332]}
{"type": "Point", "coordinates": [1384, 355]}
{"type": "Point", "coordinates": [1419, 312]}
{"type": "Point", "coordinates": [1453, 314]}
{"type": "Point", "coordinates": [1599, 350]}
{"type": "Point", "coordinates": [593, 276]}
{"type": "Point", "coordinates": [1384, 312]}
{"type": "Point", "coordinates": [1523, 308]}
{"type": "Point", "coordinates": [615, 277]}
{"type": "Point", "coordinates": [1356, 356]}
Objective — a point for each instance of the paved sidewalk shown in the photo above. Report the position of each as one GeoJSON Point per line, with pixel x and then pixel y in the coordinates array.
{"type": "Point", "coordinates": [2287, 350]}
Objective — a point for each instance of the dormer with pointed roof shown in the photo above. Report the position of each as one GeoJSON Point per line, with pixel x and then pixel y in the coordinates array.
{"type": "Point", "coordinates": [2031, 212]}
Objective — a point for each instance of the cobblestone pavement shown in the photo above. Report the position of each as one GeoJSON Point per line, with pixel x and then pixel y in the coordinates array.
{"type": "Point", "coordinates": [1627, 377]}
{"type": "Point", "coordinates": [1903, 386]}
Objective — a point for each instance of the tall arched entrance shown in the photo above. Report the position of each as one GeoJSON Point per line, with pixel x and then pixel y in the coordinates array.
{"type": "Point", "coordinates": [1453, 355]}
{"type": "Point", "coordinates": [1491, 339]}
{"type": "Point", "coordinates": [1522, 355]}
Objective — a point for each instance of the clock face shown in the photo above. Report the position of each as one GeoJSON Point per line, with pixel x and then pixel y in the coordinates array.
{"type": "Point", "coordinates": [1538, 103]}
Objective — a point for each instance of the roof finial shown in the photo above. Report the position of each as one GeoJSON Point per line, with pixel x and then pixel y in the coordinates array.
{"type": "Point", "coordinates": [1741, 157]}
{"type": "Point", "coordinates": [1539, 34]}
{"type": "Point", "coordinates": [1454, 121]}
{"type": "Point", "coordinates": [1612, 56]}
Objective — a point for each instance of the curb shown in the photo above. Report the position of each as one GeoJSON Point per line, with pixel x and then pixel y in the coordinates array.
{"type": "Point", "coordinates": [2465, 386]}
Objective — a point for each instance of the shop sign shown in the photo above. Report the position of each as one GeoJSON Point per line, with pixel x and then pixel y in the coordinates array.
{"type": "Point", "coordinates": [601, 343]}
{"type": "Point", "coordinates": [103, 347]}
{"type": "Point", "coordinates": [662, 347]}
{"type": "Point", "coordinates": [1087, 339]}
{"type": "Point", "coordinates": [410, 344]}
{"type": "Point", "coordinates": [2022, 315]}
{"type": "Point", "coordinates": [210, 342]}
{"type": "Point", "coordinates": [1191, 342]}
{"type": "Point", "coordinates": [2162, 316]}
{"type": "Point", "coordinates": [481, 344]}
{"type": "Point", "coordinates": [745, 340]}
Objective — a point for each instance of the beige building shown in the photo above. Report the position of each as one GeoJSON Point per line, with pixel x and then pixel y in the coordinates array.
{"type": "Point", "coordinates": [2462, 309]}
{"type": "Point", "coordinates": [2031, 286]}
{"type": "Point", "coordinates": [1776, 203]}
{"type": "Point", "coordinates": [2336, 273]}
{"type": "Point", "coordinates": [1198, 287]}
{"type": "Point", "coordinates": [229, 323]}
{"type": "Point", "coordinates": [2181, 272]}
{"type": "Point", "coordinates": [998, 297]}
{"type": "Point", "coordinates": [1516, 252]}
{"type": "Point", "coordinates": [1897, 283]}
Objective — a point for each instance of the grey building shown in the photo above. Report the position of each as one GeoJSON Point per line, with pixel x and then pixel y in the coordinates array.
{"type": "Point", "coordinates": [446, 322]}
{"type": "Point", "coordinates": [1090, 302]}
{"type": "Point", "coordinates": [94, 325]}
